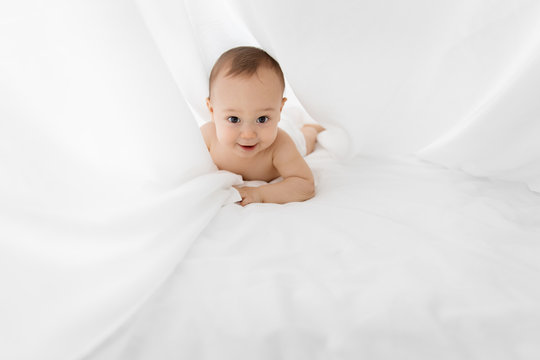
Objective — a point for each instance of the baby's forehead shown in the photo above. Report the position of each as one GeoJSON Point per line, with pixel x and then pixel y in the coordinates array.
{"type": "Point", "coordinates": [225, 72]}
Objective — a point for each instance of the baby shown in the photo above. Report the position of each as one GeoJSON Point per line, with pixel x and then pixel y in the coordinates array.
{"type": "Point", "coordinates": [246, 98]}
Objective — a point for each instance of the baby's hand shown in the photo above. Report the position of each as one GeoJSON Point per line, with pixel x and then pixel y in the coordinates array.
{"type": "Point", "coordinates": [249, 195]}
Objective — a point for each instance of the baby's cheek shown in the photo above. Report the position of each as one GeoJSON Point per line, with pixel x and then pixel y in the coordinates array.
{"type": "Point", "coordinates": [272, 136]}
{"type": "Point", "coordinates": [225, 136]}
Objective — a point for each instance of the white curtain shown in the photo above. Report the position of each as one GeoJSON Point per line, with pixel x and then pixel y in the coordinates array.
{"type": "Point", "coordinates": [449, 81]}
{"type": "Point", "coordinates": [104, 181]}
{"type": "Point", "coordinates": [104, 178]}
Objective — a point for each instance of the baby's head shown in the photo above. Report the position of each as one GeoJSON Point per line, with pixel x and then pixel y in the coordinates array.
{"type": "Point", "coordinates": [245, 99]}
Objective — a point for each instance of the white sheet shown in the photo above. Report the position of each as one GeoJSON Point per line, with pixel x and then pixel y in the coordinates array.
{"type": "Point", "coordinates": [501, 139]}
{"type": "Point", "coordinates": [401, 76]}
{"type": "Point", "coordinates": [104, 179]}
{"type": "Point", "coordinates": [105, 183]}
{"type": "Point", "coordinates": [446, 81]}
{"type": "Point", "coordinates": [394, 258]}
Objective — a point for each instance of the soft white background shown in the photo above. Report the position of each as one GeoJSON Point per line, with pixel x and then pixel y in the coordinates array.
{"type": "Point", "coordinates": [105, 183]}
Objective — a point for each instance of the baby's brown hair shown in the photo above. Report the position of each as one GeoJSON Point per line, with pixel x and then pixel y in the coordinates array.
{"type": "Point", "coordinates": [244, 60]}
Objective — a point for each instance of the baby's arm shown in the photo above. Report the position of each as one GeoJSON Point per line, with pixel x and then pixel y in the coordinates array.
{"type": "Point", "coordinates": [297, 184]}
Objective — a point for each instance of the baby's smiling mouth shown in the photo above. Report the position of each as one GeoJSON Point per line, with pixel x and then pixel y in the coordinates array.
{"type": "Point", "coordinates": [247, 147]}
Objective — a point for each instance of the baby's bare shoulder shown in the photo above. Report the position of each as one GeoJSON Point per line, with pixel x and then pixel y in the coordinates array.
{"type": "Point", "coordinates": [283, 138]}
{"type": "Point", "coordinates": [208, 128]}
{"type": "Point", "coordinates": [208, 131]}
{"type": "Point", "coordinates": [284, 147]}
{"type": "Point", "coordinates": [287, 159]}
{"type": "Point", "coordinates": [283, 141]}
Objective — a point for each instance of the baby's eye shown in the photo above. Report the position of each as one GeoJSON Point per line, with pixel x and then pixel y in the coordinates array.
{"type": "Point", "coordinates": [233, 119]}
{"type": "Point", "coordinates": [262, 119]}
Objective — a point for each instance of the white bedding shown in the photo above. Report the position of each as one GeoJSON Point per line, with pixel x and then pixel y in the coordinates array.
{"type": "Point", "coordinates": [394, 258]}
{"type": "Point", "coordinates": [120, 240]}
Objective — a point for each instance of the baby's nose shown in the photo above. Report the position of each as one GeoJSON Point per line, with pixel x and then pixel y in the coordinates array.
{"type": "Point", "coordinates": [248, 133]}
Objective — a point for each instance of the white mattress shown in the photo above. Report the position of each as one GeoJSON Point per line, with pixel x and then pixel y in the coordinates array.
{"type": "Point", "coordinates": [393, 259]}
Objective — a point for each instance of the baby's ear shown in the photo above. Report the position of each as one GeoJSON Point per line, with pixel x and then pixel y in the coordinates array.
{"type": "Point", "coordinates": [209, 105]}
{"type": "Point", "coordinates": [282, 103]}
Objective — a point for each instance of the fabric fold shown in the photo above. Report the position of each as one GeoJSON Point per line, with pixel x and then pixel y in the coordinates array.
{"type": "Point", "coordinates": [105, 180]}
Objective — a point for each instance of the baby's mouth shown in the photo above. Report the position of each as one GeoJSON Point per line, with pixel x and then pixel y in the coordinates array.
{"type": "Point", "coordinates": [247, 147]}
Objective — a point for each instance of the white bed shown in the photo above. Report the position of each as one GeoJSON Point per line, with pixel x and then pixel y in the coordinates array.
{"type": "Point", "coordinates": [394, 258]}
{"type": "Point", "coordinates": [119, 239]}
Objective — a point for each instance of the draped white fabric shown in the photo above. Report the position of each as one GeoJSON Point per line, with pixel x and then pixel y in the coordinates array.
{"type": "Point", "coordinates": [453, 80]}
{"type": "Point", "coordinates": [105, 182]}
{"type": "Point", "coordinates": [449, 81]}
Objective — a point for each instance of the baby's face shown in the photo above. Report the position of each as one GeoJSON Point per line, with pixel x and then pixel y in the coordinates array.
{"type": "Point", "coordinates": [246, 110]}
